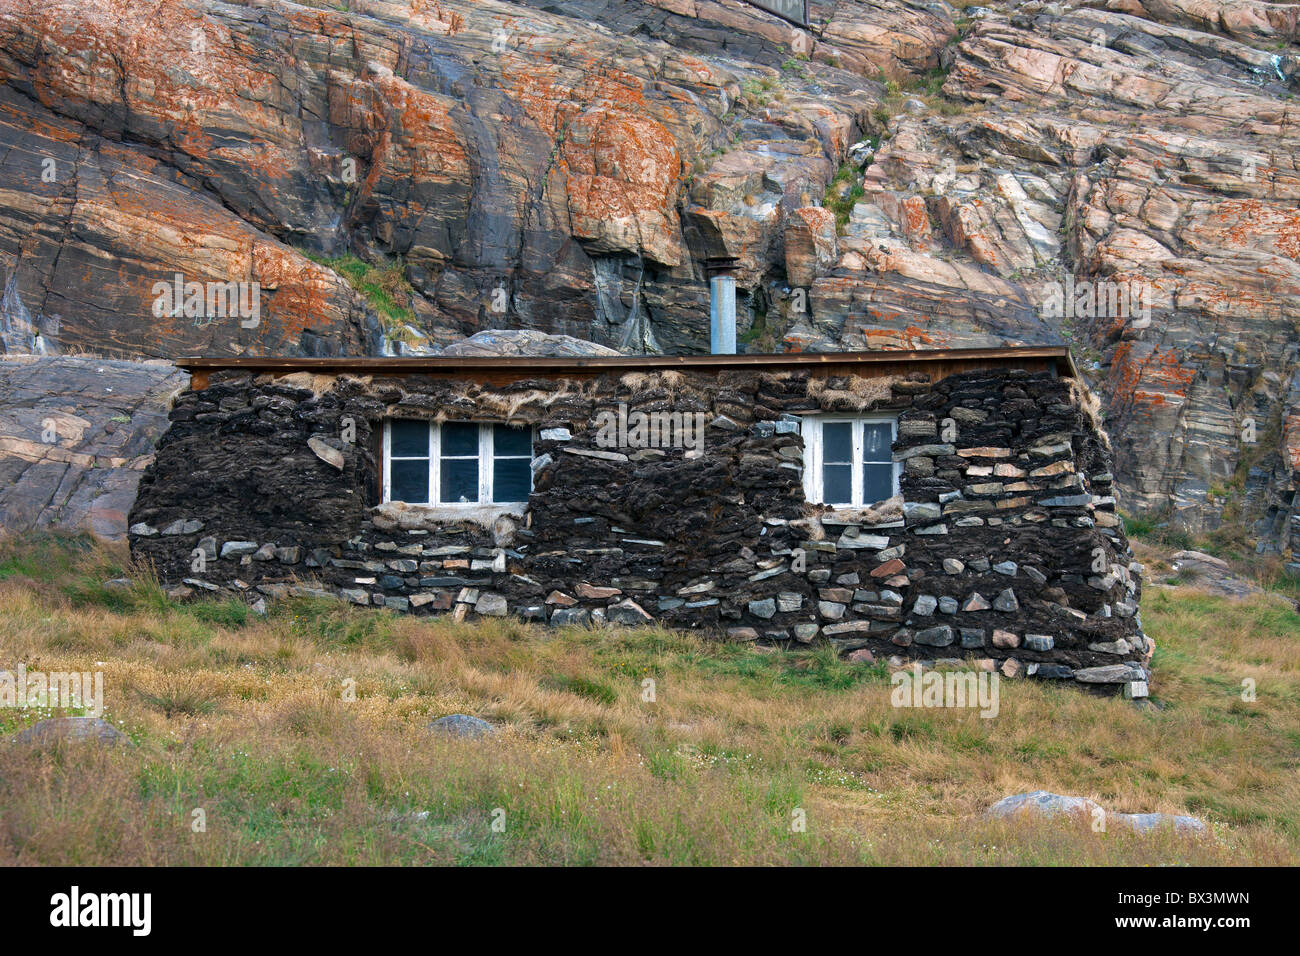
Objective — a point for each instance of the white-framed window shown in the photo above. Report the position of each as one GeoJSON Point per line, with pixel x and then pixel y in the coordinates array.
{"type": "Point", "coordinates": [849, 460]}
{"type": "Point", "coordinates": [453, 464]}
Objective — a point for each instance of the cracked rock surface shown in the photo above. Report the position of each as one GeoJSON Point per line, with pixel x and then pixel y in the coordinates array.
{"type": "Point", "coordinates": [75, 436]}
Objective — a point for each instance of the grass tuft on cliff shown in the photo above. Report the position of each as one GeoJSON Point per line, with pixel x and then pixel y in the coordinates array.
{"type": "Point", "coordinates": [245, 717]}
{"type": "Point", "coordinates": [383, 286]}
{"type": "Point", "coordinates": [843, 193]}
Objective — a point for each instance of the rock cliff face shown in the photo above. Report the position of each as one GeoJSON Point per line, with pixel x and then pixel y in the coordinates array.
{"type": "Point", "coordinates": [900, 174]}
{"type": "Point", "coordinates": [76, 434]}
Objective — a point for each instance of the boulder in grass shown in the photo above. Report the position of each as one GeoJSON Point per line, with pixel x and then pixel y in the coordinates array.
{"type": "Point", "coordinates": [56, 730]}
{"type": "Point", "coordinates": [1146, 822]}
{"type": "Point", "coordinates": [1213, 574]}
{"type": "Point", "coordinates": [461, 725]}
{"type": "Point", "coordinates": [1040, 803]}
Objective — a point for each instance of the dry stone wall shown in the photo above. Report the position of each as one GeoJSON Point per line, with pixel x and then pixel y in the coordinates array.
{"type": "Point", "coordinates": [1003, 546]}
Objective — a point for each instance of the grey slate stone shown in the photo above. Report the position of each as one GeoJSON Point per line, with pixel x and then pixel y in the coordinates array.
{"type": "Point", "coordinates": [1055, 671]}
{"type": "Point", "coordinates": [1110, 674]}
{"type": "Point", "coordinates": [627, 612]}
{"type": "Point", "coordinates": [571, 617]}
{"type": "Point", "coordinates": [940, 636]}
{"type": "Point", "coordinates": [804, 633]}
{"type": "Point", "coordinates": [491, 605]}
{"type": "Point", "coordinates": [1066, 501]}
{"type": "Point", "coordinates": [461, 725]}
{"type": "Point", "coordinates": [183, 526]}
{"type": "Point", "coordinates": [831, 610]}
{"type": "Point", "coordinates": [57, 730]}
{"type": "Point", "coordinates": [921, 511]}
{"type": "Point", "coordinates": [1006, 601]}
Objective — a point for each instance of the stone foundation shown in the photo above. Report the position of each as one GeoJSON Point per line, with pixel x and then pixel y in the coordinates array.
{"type": "Point", "coordinates": [1004, 545]}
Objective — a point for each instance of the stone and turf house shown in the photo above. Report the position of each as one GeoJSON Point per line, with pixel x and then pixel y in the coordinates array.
{"type": "Point", "coordinates": [930, 504]}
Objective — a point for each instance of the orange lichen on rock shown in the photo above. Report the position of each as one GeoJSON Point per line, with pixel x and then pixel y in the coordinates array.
{"type": "Point", "coordinates": [1150, 381]}
{"type": "Point", "coordinates": [418, 137]}
{"type": "Point", "coordinates": [911, 337]}
{"type": "Point", "coordinates": [305, 292]}
{"type": "Point", "coordinates": [916, 218]}
{"type": "Point", "coordinates": [1253, 224]}
{"type": "Point", "coordinates": [621, 166]}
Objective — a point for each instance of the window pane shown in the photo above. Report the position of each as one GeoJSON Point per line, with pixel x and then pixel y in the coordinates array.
{"type": "Point", "coordinates": [876, 441]}
{"type": "Point", "coordinates": [507, 440]}
{"type": "Point", "coordinates": [409, 439]}
{"type": "Point", "coordinates": [837, 441]}
{"type": "Point", "coordinates": [877, 483]}
{"type": "Point", "coordinates": [837, 484]}
{"type": "Point", "coordinates": [459, 480]}
{"type": "Point", "coordinates": [459, 438]}
{"type": "Point", "coordinates": [512, 479]}
{"type": "Point", "coordinates": [409, 480]}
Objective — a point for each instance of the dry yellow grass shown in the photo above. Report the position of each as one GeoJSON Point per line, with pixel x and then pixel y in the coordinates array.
{"type": "Point", "coordinates": [248, 719]}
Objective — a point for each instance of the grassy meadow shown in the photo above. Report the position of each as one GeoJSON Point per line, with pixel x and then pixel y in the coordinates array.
{"type": "Point", "coordinates": [245, 718]}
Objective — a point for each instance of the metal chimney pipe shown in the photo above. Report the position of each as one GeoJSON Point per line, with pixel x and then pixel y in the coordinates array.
{"type": "Point", "coordinates": [722, 314]}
